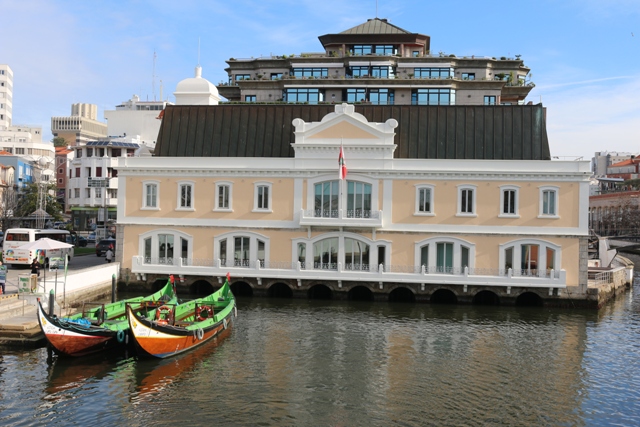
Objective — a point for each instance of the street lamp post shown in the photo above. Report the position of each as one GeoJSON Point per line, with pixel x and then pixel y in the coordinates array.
{"type": "Point", "coordinates": [42, 182]}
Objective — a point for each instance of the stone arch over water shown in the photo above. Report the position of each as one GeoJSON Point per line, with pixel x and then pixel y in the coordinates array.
{"type": "Point", "coordinates": [320, 291]}
{"type": "Point", "coordinates": [529, 299]}
{"type": "Point", "coordinates": [360, 293]}
{"type": "Point", "coordinates": [443, 296]}
{"type": "Point", "coordinates": [158, 284]}
{"type": "Point", "coordinates": [279, 290]}
{"type": "Point", "coordinates": [402, 294]}
{"type": "Point", "coordinates": [201, 288]}
{"type": "Point", "coordinates": [242, 289]}
{"type": "Point", "coordinates": [486, 298]}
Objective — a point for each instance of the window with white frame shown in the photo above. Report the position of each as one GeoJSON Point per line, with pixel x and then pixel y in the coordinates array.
{"type": "Point", "coordinates": [445, 255]}
{"type": "Point", "coordinates": [185, 195]}
{"type": "Point", "coordinates": [549, 201]}
{"type": "Point", "coordinates": [223, 196]}
{"type": "Point", "coordinates": [262, 197]}
{"type": "Point", "coordinates": [466, 200]}
{"type": "Point", "coordinates": [150, 190]}
{"type": "Point", "coordinates": [509, 195]}
{"type": "Point", "coordinates": [245, 248]}
{"type": "Point", "coordinates": [424, 200]}
{"type": "Point", "coordinates": [166, 247]}
{"type": "Point", "coordinates": [356, 255]}
{"type": "Point", "coordinates": [530, 257]}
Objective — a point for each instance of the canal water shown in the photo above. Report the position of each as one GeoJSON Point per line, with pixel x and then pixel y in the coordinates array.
{"type": "Point", "coordinates": [332, 363]}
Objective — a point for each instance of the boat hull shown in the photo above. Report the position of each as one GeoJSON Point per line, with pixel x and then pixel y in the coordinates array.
{"type": "Point", "coordinates": [164, 341]}
{"type": "Point", "coordinates": [73, 341]}
{"type": "Point", "coordinates": [101, 328]}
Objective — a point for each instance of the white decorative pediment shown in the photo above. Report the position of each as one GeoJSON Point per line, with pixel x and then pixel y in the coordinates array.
{"type": "Point", "coordinates": [359, 137]}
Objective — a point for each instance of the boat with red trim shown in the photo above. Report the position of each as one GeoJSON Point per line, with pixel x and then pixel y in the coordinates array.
{"type": "Point", "coordinates": [176, 328]}
{"type": "Point", "coordinates": [99, 326]}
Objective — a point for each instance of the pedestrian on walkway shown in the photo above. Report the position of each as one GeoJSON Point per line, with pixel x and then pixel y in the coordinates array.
{"type": "Point", "coordinates": [35, 267]}
{"type": "Point", "coordinates": [3, 277]}
{"type": "Point", "coordinates": [109, 255]}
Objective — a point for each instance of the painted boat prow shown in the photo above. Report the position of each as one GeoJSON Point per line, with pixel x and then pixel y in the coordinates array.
{"type": "Point", "coordinates": [78, 335]}
{"type": "Point", "coordinates": [161, 339]}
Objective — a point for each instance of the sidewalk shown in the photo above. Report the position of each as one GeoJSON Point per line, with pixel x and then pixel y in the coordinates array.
{"type": "Point", "coordinates": [19, 325]}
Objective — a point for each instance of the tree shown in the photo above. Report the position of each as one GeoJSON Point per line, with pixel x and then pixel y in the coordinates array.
{"type": "Point", "coordinates": [8, 206]}
{"type": "Point", "coordinates": [28, 201]}
{"type": "Point", "coordinates": [621, 219]}
{"type": "Point", "coordinates": [59, 141]}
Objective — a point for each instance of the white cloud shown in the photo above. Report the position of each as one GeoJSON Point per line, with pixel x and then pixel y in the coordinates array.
{"type": "Point", "coordinates": [597, 115]}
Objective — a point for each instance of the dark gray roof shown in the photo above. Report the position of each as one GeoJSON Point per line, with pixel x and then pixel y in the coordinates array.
{"type": "Point", "coordinates": [423, 132]}
{"type": "Point", "coordinates": [375, 26]}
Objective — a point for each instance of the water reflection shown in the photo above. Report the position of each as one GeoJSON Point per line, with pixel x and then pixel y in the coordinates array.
{"type": "Point", "coordinates": [293, 362]}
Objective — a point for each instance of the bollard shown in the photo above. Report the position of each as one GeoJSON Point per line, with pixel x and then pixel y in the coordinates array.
{"type": "Point", "coordinates": [52, 301]}
{"type": "Point", "coordinates": [113, 288]}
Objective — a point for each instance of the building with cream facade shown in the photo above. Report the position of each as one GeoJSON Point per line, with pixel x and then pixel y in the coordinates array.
{"type": "Point", "coordinates": [455, 203]}
{"type": "Point", "coordinates": [81, 126]}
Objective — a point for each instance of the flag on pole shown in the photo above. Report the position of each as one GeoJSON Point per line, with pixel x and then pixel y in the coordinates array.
{"type": "Point", "coordinates": [341, 164]}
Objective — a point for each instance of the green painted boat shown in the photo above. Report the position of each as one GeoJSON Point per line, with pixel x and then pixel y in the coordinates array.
{"type": "Point", "coordinates": [99, 326]}
{"type": "Point", "coordinates": [176, 328]}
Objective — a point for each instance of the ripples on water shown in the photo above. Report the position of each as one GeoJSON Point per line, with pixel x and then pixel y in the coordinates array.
{"type": "Point", "coordinates": [310, 363]}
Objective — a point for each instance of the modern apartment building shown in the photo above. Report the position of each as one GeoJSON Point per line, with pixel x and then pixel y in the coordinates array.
{"type": "Point", "coordinates": [20, 140]}
{"type": "Point", "coordinates": [79, 128]}
{"type": "Point", "coordinates": [6, 96]}
{"type": "Point", "coordinates": [602, 160]}
{"type": "Point", "coordinates": [92, 185]}
{"type": "Point", "coordinates": [136, 118]}
{"type": "Point", "coordinates": [378, 63]}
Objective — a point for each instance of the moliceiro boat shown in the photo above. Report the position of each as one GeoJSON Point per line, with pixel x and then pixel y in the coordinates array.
{"type": "Point", "coordinates": [175, 328]}
{"type": "Point", "coordinates": [99, 326]}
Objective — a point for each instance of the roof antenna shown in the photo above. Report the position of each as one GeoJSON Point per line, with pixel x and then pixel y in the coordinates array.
{"type": "Point", "coordinates": [153, 80]}
{"type": "Point", "coordinates": [198, 51]}
{"type": "Point", "coordinates": [376, 8]}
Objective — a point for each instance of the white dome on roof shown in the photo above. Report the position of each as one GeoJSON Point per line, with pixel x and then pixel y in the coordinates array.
{"type": "Point", "coordinates": [196, 91]}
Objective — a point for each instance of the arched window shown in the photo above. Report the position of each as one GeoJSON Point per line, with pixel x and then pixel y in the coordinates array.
{"type": "Point", "coordinates": [245, 248]}
{"type": "Point", "coordinates": [529, 257]}
{"type": "Point", "coordinates": [326, 201]}
{"type": "Point", "coordinates": [445, 255]}
{"type": "Point", "coordinates": [356, 255]}
{"type": "Point", "coordinates": [165, 246]}
{"type": "Point", "coordinates": [358, 199]}
{"type": "Point", "coordinates": [325, 254]}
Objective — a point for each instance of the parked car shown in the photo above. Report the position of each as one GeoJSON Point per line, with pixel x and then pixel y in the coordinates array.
{"type": "Point", "coordinates": [91, 238]}
{"type": "Point", "coordinates": [81, 242]}
{"type": "Point", "coordinates": [103, 245]}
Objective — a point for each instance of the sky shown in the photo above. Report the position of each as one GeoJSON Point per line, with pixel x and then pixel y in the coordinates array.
{"type": "Point", "coordinates": [584, 55]}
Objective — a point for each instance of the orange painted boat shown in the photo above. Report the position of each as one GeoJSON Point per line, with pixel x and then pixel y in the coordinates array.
{"type": "Point", "coordinates": [176, 328]}
{"type": "Point", "coordinates": [98, 326]}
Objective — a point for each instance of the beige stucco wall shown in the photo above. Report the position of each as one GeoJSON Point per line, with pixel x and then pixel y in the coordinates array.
{"type": "Point", "coordinates": [487, 204]}
{"type": "Point", "coordinates": [204, 199]}
{"type": "Point", "coordinates": [487, 247]}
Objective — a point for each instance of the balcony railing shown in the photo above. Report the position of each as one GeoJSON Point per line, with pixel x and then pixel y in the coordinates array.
{"type": "Point", "coordinates": [341, 217]}
{"type": "Point", "coordinates": [357, 272]}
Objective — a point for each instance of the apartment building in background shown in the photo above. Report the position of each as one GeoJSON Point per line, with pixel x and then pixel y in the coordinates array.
{"type": "Point", "coordinates": [92, 184]}
{"type": "Point", "coordinates": [80, 127]}
{"type": "Point", "coordinates": [382, 64]}
{"type": "Point", "coordinates": [136, 118]}
{"type": "Point", "coordinates": [21, 144]}
{"type": "Point", "coordinates": [6, 96]}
